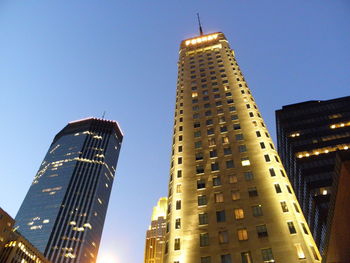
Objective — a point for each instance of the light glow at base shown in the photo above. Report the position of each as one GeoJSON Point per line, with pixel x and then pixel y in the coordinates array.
{"type": "Point", "coordinates": [106, 257]}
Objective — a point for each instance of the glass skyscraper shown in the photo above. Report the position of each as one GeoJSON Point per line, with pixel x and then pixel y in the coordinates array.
{"type": "Point", "coordinates": [229, 197]}
{"type": "Point", "coordinates": [64, 210]}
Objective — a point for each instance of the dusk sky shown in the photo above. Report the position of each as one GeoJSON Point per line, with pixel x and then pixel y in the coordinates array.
{"type": "Point", "coordinates": [66, 60]}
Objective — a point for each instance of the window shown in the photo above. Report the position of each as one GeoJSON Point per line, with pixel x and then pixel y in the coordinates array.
{"type": "Point", "coordinates": [236, 126]}
{"type": "Point", "coordinates": [213, 153]}
{"type": "Point", "coordinates": [267, 255]}
{"type": "Point", "coordinates": [291, 227]}
{"type": "Point", "coordinates": [227, 151]}
{"type": "Point", "coordinates": [234, 117]}
{"type": "Point", "coordinates": [245, 161]}
{"type": "Point", "coordinates": [232, 179]}
{"type": "Point", "coordinates": [242, 148]}
{"type": "Point", "coordinates": [197, 144]}
{"type": "Point", "coordinates": [262, 145]}
{"type": "Point", "coordinates": [216, 181]}
{"type": "Point", "coordinates": [300, 251]}
{"type": "Point", "coordinates": [230, 164]}
{"type": "Point", "coordinates": [296, 208]}
{"type": "Point", "coordinates": [204, 239]}
{"type": "Point", "coordinates": [200, 184]}
{"type": "Point", "coordinates": [177, 244]}
{"type": "Point", "coordinates": [282, 173]}
{"type": "Point", "coordinates": [242, 234]}
{"type": "Point", "coordinates": [203, 218]}
{"type": "Point", "coordinates": [208, 113]}
{"type": "Point", "coordinates": [252, 192]}
{"type": "Point", "coordinates": [223, 129]}
{"type": "Point", "coordinates": [239, 137]}
{"type": "Point", "coordinates": [272, 172]}
{"type": "Point", "coordinates": [235, 195]}
{"type": "Point", "coordinates": [226, 258]}
{"type": "Point", "coordinates": [166, 248]}
{"type": "Point", "coordinates": [219, 197]}
{"type": "Point", "coordinates": [179, 160]}
{"type": "Point", "coordinates": [251, 114]}
{"type": "Point", "coordinates": [225, 139]}
{"type": "Point", "coordinates": [199, 169]}
{"type": "Point", "coordinates": [210, 131]}
{"type": "Point", "coordinates": [267, 158]}
{"type": "Point", "coordinates": [220, 216]}
{"type": "Point", "coordinates": [211, 142]}
{"type": "Point", "coordinates": [179, 149]}
{"type": "Point", "coordinates": [196, 125]}
{"type": "Point", "coordinates": [178, 188]}
{"type": "Point", "coordinates": [214, 166]}
{"type": "Point", "coordinates": [258, 134]}
{"type": "Point", "coordinates": [205, 259]}
{"type": "Point", "coordinates": [199, 156]}
{"type": "Point", "coordinates": [246, 257]}
{"type": "Point", "coordinates": [202, 200]}
{"type": "Point", "coordinates": [257, 210]}
{"type": "Point", "coordinates": [314, 253]}
{"type": "Point", "coordinates": [304, 228]}
{"type": "Point", "coordinates": [232, 108]}
{"type": "Point", "coordinates": [284, 206]}
{"type": "Point", "coordinates": [278, 188]}
{"type": "Point", "coordinates": [209, 122]}
{"type": "Point", "coordinates": [223, 237]}
{"type": "Point", "coordinates": [262, 231]}
{"type": "Point", "coordinates": [288, 188]}
{"type": "Point", "coordinates": [178, 204]}
{"type": "Point", "coordinates": [177, 223]}
{"type": "Point", "coordinates": [276, 158]}
{"type": "Point", "coordinates": [248, 176]}
{"type": "Point", "coordinates": [207, 105]}
{"type": "Point", "coordinates": [239, 213]}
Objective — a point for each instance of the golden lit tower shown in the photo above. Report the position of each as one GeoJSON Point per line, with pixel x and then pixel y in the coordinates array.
{"type": "Point", "coordinates": [154, 248]}
{"type": "Point", "coordinates": [229, 198]}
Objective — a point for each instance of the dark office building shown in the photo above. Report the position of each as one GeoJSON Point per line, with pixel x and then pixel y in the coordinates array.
{"type": "Point", "coordinates": [313, 142]}
{"type": "Point", "coordinates": [64, 210]}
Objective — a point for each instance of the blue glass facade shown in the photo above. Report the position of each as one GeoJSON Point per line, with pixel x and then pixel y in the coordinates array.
{"type": "Point", "coordinates": [64, 210]}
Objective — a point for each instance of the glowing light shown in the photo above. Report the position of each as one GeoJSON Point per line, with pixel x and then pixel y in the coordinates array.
{"type": "Point", "coordinates": [107, 258]}
{"type": "Point", "coordinates": [201, 39]}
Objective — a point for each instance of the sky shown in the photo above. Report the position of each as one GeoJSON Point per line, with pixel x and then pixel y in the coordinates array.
{"type": "Point", "coordinates": [66, 60]}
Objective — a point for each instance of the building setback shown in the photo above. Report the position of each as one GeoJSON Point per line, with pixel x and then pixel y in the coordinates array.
{"type": "Point", "coordinates": [313, 142]}
{"type": "Point", "coordinates": [229, 198]}
{"type": "Point", "coordinates": [64, 210]}
{"type": "Point", "coordinates": [154, 247]}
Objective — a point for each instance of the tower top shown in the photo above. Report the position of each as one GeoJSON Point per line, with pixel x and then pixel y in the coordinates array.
{"type": "Point", "coordinates": [200, 25]}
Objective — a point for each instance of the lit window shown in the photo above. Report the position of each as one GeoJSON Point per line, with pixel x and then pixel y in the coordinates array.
{"type": "Point", "coordinates": [242, 234]}
{"type": "Point", "coordinates": [177, 223]}
{"type": "Point", "coordinates": [239, 213]}
{"type": "Point", "coordinates": [235, 195]}
{"type": "Point", "coordinates": [219, 197]}
{"type": "Point", "coordinates": [245, 161]}
{"type": "Point", "coordinates": [233, 179]}
{"type": "Point", "coordinates": [300, 251]}
{"type": "Point", "coordinates": [246, 257]}
{"type": "Point", "coordinates": [178, 188]}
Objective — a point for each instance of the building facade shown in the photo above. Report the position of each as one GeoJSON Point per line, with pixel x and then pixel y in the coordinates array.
{"type": "Point", "coordinates": [14, 248]}
{"type": "Point", "coordinates": [154, 247]}
{"type": "Point", "coordinates": [6, 226]}
{"type": "Point", "coordinates": [64, 210]}
{"type": "Point", "coordinates": [229, 198]}
{"type": "Point", "coordinates": [310, 136]}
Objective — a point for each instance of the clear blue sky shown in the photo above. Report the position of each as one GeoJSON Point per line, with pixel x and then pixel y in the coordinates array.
{"type": "Point", "coordinates": [66, 60]}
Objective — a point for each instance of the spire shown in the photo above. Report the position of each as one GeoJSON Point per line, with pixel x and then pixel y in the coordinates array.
{"type": "Point", "coordinates": [200, 25]}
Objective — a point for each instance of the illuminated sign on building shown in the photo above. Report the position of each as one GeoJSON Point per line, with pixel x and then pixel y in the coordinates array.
{"type": "Point", "coordinates": [201, 39]}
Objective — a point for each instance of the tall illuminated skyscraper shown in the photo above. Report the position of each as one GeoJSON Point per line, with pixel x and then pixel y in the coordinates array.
{"type": "Point", "coordinates": [64, 210]}
{"type": "Point", "coordinates": [229, 198]}
{"type": "Point", "coordinates": [154, 247]}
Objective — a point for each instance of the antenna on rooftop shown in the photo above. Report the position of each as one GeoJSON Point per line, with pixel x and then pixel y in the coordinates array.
{"type": "Point", "coordinates": [103, 115]}
{"type": "Point", "coordinates": [200, 25]}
